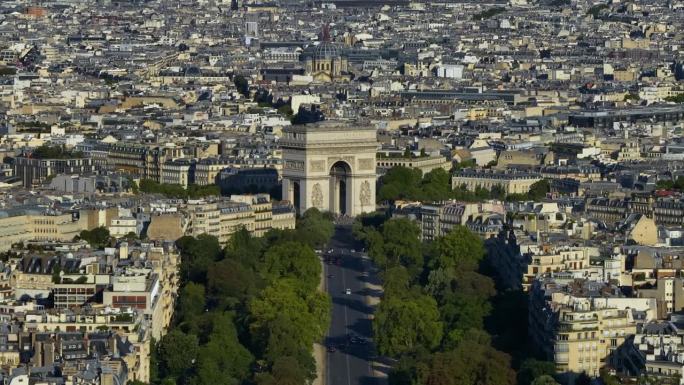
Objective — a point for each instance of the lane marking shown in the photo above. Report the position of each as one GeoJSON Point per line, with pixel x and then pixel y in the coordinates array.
{"type": "Point", "coordinates": [346, 321]}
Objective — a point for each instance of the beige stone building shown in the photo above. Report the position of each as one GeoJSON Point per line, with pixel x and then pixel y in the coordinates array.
{"type": "Point", "coordinates": [552, 259]}
{"type": "Point", "coordinates": [510, 181]}
{"type": "Point", "coordinates": [222, 218]}
{"type": "Point", "coordinates": [582, 326]}
{"type": "Point", "coordinates": [424, 164]}
{"type": "Point", "coordinates": [29, 225]}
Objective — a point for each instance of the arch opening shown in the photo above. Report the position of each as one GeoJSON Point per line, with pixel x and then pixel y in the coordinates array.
{"type": "Point", "coordinates": [340, 180]}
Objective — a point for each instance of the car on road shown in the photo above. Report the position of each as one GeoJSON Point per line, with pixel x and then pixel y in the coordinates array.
{"type": "Point", "coordinates": [331, 276]}
{"type": "Point", "coordinates": [331, 349]}
{"type": "Point", "coordinates": [347, 291]}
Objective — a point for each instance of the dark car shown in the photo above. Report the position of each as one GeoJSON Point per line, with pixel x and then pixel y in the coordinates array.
{"type": "Point", "coordinates": [331, 349]}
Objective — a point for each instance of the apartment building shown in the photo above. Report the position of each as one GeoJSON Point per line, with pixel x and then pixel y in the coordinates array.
{"type": "Point", "coordinates": [424, 164]}
{"type": "Point", "coordinates": [583, 326]}
{"type": "Point", "coordinates": [555, 259]}
{"type": "Point", "coordinates": [512, 182]}
{"type": "Point", "coordinates": [34, 171]}
{"type": "Point", "coordinates": [437, 219]}
{"type": "Point", "coordinates": [222, 218]}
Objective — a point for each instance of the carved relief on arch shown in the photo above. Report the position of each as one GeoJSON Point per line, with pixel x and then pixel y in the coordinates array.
{"type": "Point", "coordinates": [317, 195]}
{"type": "Point", "coordinates": [365, 194]}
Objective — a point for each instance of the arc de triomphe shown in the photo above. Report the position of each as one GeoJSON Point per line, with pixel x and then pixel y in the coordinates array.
{"type": "Point", "coordinates": [330, 166]}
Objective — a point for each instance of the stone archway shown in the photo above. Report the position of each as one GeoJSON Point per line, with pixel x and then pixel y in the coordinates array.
{"type": "Point", "coordinates": [340, 187]}
{"type": "Point", "coordinates": [330, 166]}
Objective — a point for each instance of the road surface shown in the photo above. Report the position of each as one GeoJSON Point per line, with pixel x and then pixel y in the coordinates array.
{"type": "Point", "coordinates": [350, 363]}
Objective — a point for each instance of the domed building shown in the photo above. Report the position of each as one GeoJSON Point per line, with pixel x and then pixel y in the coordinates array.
{"type": "Point", "coordinates": [326, 62]}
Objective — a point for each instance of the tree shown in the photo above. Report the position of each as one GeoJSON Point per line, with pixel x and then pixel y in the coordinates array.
{"type": "Point", "coordinates": [466, 302]}
{"type": "Point", "coordinates": [241, 85]}
{"type": "Point", "coordinates": [307, 313]}
{"type": "Point", "coordinates": [97, 237]}
{"type": "Point", "coordinates": [229, 282]}
{"type": "Point", "coordinates": [198, 254]}
{"type": "Point", "coordinates": [532, 369]}
{"type": "Point", "coordinates": [177, 352]}
{"type": "Point", "coordinates": [191, 305]}
{"type": "Point", "coordinates": [401, 245]}
{"type": "Point", "coordinates": [223, 360]}
{"type": "Point", "coordinates": [459, 249]}
{"type": "Point", "coordinates": [539, 189]}
{"type": "Point", "coordinates": [473, 362]}
{"type": "Point", "coordinates": [545, 380]}
{"type": "Point", "coordinates": [292, 260]}
{"type": "Point", "coordinates": [401, 183]}
{"type": "Point", "coordinates": [395, 281]}
{"type": "Point", "coordinates": [285, 371]}
{"type": "Point", "coordinates": [315, 228]}
{"type": "Point", "coordinates": [436, 185]}
{"type": "Point", "coordinates": [402, 325]}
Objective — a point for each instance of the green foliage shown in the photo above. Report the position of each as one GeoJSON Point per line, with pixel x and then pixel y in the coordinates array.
{"type": "Point", "coordinates": [634, 97]}
{"type": "Point", "coordinates": [678, 184]}
{"type": "Point", "coordinates": [532, 369]}
{"type": "Point", "coordinates": [459, 249]}
{"type": "Point", "coordinates": [177, 352]}
{"type": "Point", "coordinates": [596, 10]}
{"type": "Point", "coordinates": [176, 191]}
{"type": "Point", "coordinates": [97, 238]}
{"type": "Point", "coordinates": [292, 260]}
{"type": "Point", "coordinates": [548, 380]}
{"type": "Point", "coordinates": [314, 228]}
{"type": "Point", "coordinates": [223, 360]}
{"type": "Point", "coordinates": [436, 303]}
{"type": "Point", "coordinates": [56, 273]}
{"type": "Point", "coordinates": [191, 305]}
{"type": "Point", "coordinates": [470, 163]}
{"type": "Point", "coordinates": [489, 13]}
{"type": "Point", "coordinates": [400, 183]}
{"type": "Point", "coordinates": [54, 152]}
{"type": "Point", "coordinates": [402, 325]}
{"type": "Point", "coordinates": [675, 99]}
{"type": "Point", "coordinates": [410, 184]}
{"type": "Point", "coordinates": [242, 85]}
{"type": "Point", "coordinates": [396, 244]}
{"type": "Point", "coordinates": [301, 317]}
{"type": "Point", "coordinates": [255, 301]}
{"type": "Point", "coordinates": [285, 110]}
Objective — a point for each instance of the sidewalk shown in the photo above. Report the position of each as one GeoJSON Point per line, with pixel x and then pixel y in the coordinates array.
{"type": "Point", "coordinates": [320, 354]}
{"type": "Point", "coordinates": [373, 301]}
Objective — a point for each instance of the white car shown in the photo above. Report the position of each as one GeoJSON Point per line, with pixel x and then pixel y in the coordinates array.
{"type": "Point", "coordinates": [347, 291]}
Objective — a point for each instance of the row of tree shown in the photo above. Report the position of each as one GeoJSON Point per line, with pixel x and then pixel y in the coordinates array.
{"type": "Point", "coordinates": [437, 307]}
{"type": "Point", "coordinates": [177, 191]}
{"type": "Point", "coordinates": [247, 313]}
{"type": "Point", "coordinates": [410, 184]}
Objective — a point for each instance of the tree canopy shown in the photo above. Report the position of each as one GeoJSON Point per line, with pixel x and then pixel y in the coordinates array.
{"type": "Point", "coordinates": [248, 313]}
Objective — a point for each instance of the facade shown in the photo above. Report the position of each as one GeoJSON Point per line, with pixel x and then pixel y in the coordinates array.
{"type": "Point", "coordinates": [34, 171]}
{"type": "Point", "coordinates": [331, 167]}
{"type": "Point", "coordinates": [22, 226]}
{"type": "Point", "coordinates": [512, 182]}
{"type": "Point", "coordinates": [178, 172]}
{"type": "Point", "coordinates": [223, 218]}
{"type": "Point", "coordinates": [582, 326]}
{"type": "Point", "coordinates": [424, 164]}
